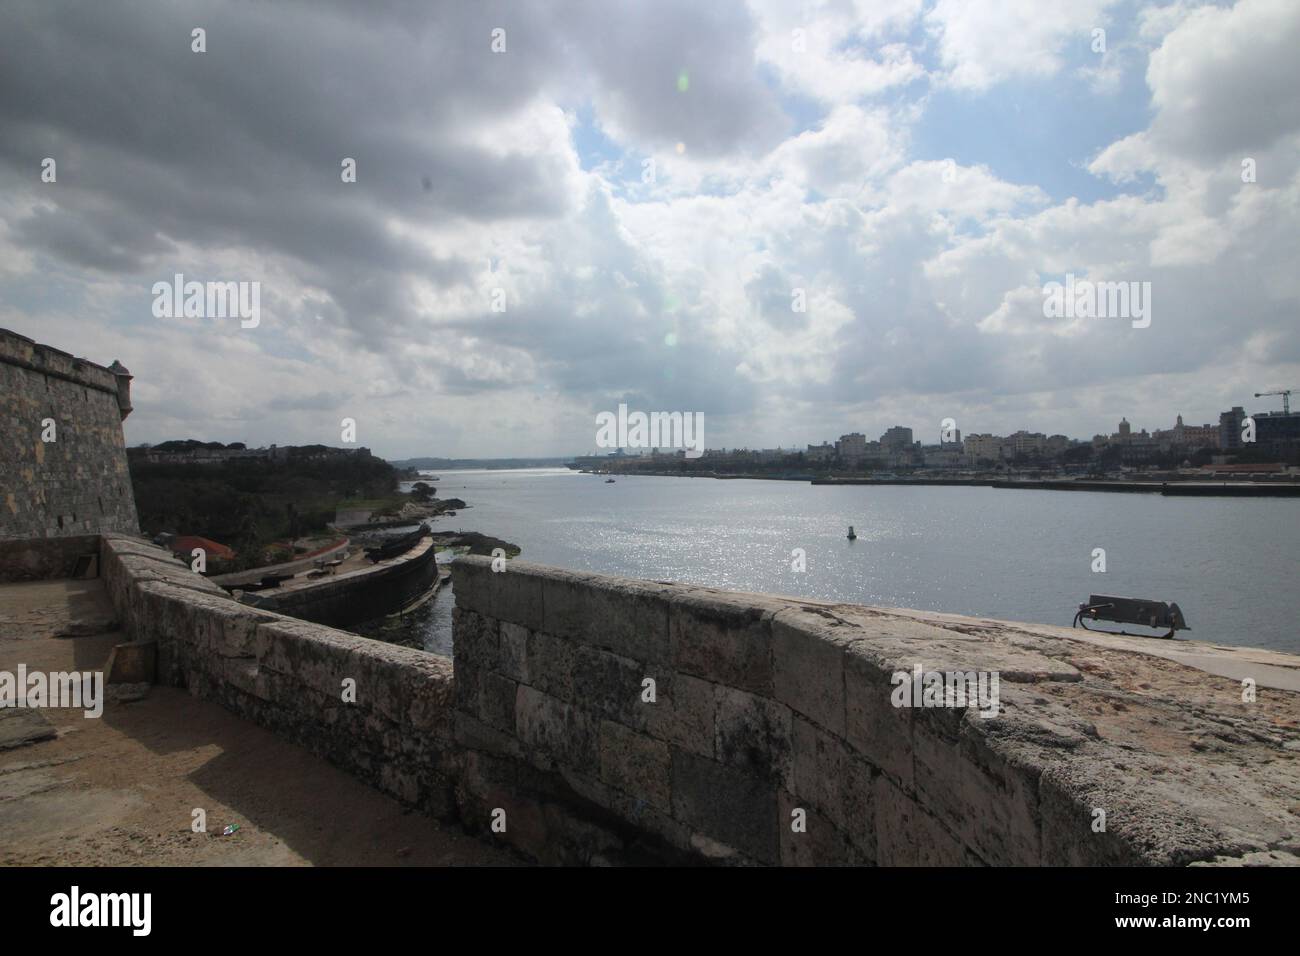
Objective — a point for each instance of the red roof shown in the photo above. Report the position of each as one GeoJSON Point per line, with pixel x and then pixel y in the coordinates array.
{"type": "Point", "coordinates": [186, 543]}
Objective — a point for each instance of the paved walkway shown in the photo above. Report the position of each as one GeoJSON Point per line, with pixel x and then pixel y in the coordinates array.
{"type": "Point", "coordinates": [121, 789]}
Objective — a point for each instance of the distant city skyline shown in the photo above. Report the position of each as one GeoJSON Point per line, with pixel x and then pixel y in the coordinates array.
{"type": "Point", "coordinates": [918, 437]}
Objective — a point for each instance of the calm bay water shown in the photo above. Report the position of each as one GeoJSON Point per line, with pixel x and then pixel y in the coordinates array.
{"type": "Point", "coordinates": [1231, 564]}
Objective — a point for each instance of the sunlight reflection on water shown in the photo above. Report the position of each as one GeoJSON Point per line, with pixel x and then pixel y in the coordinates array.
{"type": "Point", "coordinates": [1020, 555]}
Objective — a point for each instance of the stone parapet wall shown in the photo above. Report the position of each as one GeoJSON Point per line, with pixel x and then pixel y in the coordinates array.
{"type": "Point", "coordinates": [78, 483]}
{"type": "Point", "coordinates": [768, 706]}
{"type": "Point", "coordinates": [40, 559]}
{"type": "Point", "coordinates": [765, 710]}
{"type": "Point", "coordinates": [288, 675]}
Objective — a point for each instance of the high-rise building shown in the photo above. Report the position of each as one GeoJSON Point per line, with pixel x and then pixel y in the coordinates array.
{"type": "Point", "coordinates": [985, 447]}
{"type": "Point", "coordinates": [896, 439]}
{"type": "Point", "coordinates": [1027, 443]}
{"type": "Point", "coordinates": [1275, 428]}
{"type": "Point", "coordinates": [851, 448]}
{"type": "Point", "coordinates": [1230, 427]}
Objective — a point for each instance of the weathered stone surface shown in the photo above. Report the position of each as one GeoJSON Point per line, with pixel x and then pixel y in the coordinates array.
{"type": "Point", "coordinates": [288, 675]}
{"type": "Point", "coordinates": [514, 652]}
{"type": "Point", "coordinates": [42, 559]}
{"type": "Point", "coordinates": [724, 638]}
{"type": "Point", "coordinates": [503, 595]}
{"type": "Point", "coordinates": [473, 734]}
{"type": "Point", "coordinates": [589, 773]}
{"type": "Point", "coordinates": [978, 795]}
{"type": "Point", "coordinates": [818, 843]}
{"type": "Point", "coordinates": [481, 647]}
{"type": "Point", "coordinates": [622, 615]}
{"type": "Point", "coordinates": [551, 664]}
{"type": "Point", "coordinates": [78, 484]}
{"type": "Point", "coordinates": [808, 665]}
{"type": "Point", "coordinates": [636, 764]}
{"type": "Point", "coordinates": [555, 727]}
{"type": "Point", "coordinates": [21, 727]}
{"type": "Point", "coordinates": [497, 701]}
{"type": "Point", "coordinates": [608, 684]}
{"type": "Point", "coordinates": [684, 714]}
{"type": "Point", "coordinates": [908, 836]}
{"type": "Point", "coordinates": [880, 732]}
{"type": "Point", "coordinates": [731, 805]}
{"type": "Point", "coordinates": [134, 662]}
{"type": "Point", "coordinates": [754, 733]}
{"type": "Point", "coordinates": [819, 768]}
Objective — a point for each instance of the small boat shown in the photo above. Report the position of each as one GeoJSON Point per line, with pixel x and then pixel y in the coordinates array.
{"type": "Point", "coordinates": [852, 535]}
{"type": "Point", "coordinates": [609, 481]}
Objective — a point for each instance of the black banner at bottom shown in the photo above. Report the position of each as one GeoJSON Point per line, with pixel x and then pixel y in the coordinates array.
{"type": "Point", "coordinates": [332, 906]}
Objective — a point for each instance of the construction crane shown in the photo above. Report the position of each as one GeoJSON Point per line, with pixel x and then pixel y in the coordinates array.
{"type": "Point", "coordinates": [1286, 398]}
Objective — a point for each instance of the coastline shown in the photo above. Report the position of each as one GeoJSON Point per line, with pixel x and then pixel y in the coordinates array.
{"type": "Point", "coordinates": [1165, 487]}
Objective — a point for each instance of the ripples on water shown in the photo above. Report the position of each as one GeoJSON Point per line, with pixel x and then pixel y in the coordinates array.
{"type": "Point", "coordinates": [1231, 564]}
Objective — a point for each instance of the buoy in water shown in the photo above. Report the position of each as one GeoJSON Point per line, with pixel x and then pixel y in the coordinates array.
{"type": "Point", "coordinates": [852, 536]}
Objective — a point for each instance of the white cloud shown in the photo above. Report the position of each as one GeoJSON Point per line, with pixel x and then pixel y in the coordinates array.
{"type": "Point", "coordinates": [986, 42]}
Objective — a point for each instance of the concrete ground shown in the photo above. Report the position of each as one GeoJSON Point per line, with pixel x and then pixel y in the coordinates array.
{"type": "Point", "coordinates": [121, 789]}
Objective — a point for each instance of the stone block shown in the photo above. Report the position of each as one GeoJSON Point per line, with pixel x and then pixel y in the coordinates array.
{"type": "Point", "coordinates": [473, 734]}
{"type": "Point", "coordinates": [723, 638]}
{"type": "Point", "coordinates": [621, 615]}
{"type": "Point", "coordinates": [906, 835]}
{"type": "Point", "coordinates": [608, 684]}
{"type": "Point", "coordinates": [476, 639]}
{"type": "Point", "coordinates": [818, 843]}
{"type": "Point", "coordinates": [636, 764]}
{"type": "Point", "coordinates": [555, 727]}
{"type": "Point", "coordinates": [754, 733]}
{"type": "Point", "coordinates": [726, 804]}
{"type": "Point", "coordinates": [514, 652]}
{"type": "Point", "coordinates": [989, 804]}
{"type": "Point", "coordinates": [551, 664]}
{"type": "Point", "coordinates": [808, 666]}
{"type": "Point", "coordinates": [502, 595]}
{"type": "Point", "coordinates": [819, 760]}
{"type": "Point", "coordinates": [880, 732]}
{"type": "Point", "coordinates": [683, 714]}
{"type": "Point", "coordinates": [135, 662]}
{"type": "Point", "coordinates": [497, 696]}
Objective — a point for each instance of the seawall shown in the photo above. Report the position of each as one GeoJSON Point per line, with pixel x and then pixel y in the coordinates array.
{"type": "Point", "coordinates": [773, 711]}
{"type": "Point", "coordinates": [340, 600]}
{"type": "Point", "coordinates": [380, 711]}
{"type": "Point", "coordinates": [770, 736]}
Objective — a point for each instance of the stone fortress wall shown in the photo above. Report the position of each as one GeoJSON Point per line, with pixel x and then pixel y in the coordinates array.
{"type": "Point", "coordinates": [289, 675]}
{"type": "Point", "coordinates": [591, 719]}
{"type": "Point", "coordinates": [78, 483]}
{"type": "Point", "coordinates": [763, 706]}
{"type": "Point", "coordinates": [769, 709]}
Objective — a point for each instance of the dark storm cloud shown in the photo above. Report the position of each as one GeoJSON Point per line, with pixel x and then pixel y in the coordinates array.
{"type": "Point", "coordinates": [239, 148]}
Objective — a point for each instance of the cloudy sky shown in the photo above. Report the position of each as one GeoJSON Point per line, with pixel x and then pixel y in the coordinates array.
{"type": "Point", "coordinates": [645, 185]}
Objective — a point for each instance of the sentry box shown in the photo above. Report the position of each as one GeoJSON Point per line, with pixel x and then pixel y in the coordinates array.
{"type": "Point", "coordinates": [1123, 610]}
